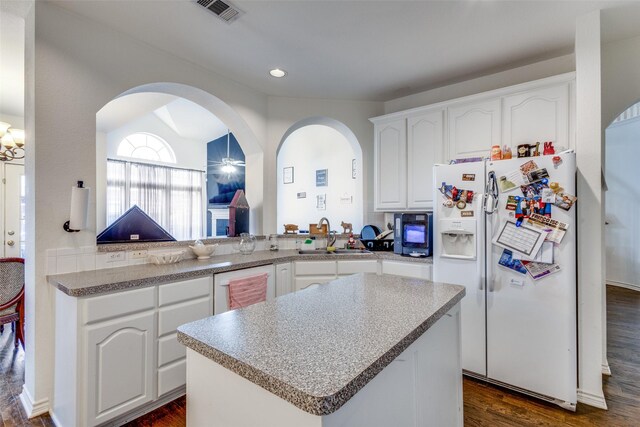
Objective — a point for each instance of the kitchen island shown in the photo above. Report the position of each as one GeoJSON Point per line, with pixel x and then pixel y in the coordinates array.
{"type": "Point", "coordinates": [363, 350]}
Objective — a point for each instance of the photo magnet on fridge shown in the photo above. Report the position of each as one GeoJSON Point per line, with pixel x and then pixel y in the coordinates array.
{"type": "Point", "coordinates": [537, 175]}
{"type": "Point", "coordinates": [565, 201]}
{"type": "Point", "coordinates": [507, 260]}
{"type": "Point", "coordinates": [527, 167]}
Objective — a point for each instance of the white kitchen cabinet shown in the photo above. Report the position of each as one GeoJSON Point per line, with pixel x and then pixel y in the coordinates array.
{"type": "Point", "coordinates": [119, 366]}
{"type": "Point", "coordinates": [353, 266]}
{"type": "Point", "coordinates": [416, 270]}
{"type": "Point", "coordinates": [425, 144]}
{"type": "Point", "coordinates": [408, 143]}
{"type": "Point", "coordinates": [308, 273]}
{"type": "Point", "coordinates": [537, 115]}
{"type": "Point", "coordinates": [405, 151]}
{"type": "Point", "coordinates": [474, 127]}
{"type": "Point", "coordinates": [284, 278]}
{"type": "Point", "coordinates": [118, 353]}
{"type": "Point", "coordinates": [390, 168]}
{"type": "Point", "coordinates": [179, 303]}
{"type": "Point", "coordinates": [221, 285]}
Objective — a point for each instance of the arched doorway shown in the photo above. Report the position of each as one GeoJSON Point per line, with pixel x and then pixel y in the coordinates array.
{"type": "Point", "coordinates": [319, 173]}
{"type": "Point", "coordinates": [210, 110]}
{"type": "Point", "coordinates": [622, 202]}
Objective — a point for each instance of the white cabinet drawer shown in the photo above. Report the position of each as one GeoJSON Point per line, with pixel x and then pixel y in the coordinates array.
{"type": "Point", "coordinates": [306, 281]}
{"type": "Point", "coordinates": [221, 285]}
{"type": "Point", "coordinates": [170, 350]}
{"type": "Point", "coordinates": [184, 290]}
{"type": "Point", "coordinates": [416, 270]}
{"type": "Point", "coordinates": [172, 376]}
{"type": "Point", "coordinates": [119, 304]}
{"type": "Point", "coordinates": [357, 266]}
{"type": "Point", "coordinates": [169, 318]}
{"type": "Point", "coordinates": [310, 268]}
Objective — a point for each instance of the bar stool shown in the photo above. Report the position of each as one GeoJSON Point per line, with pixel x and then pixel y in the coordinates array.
{"type": "Point", "coordinates": [12, 295]}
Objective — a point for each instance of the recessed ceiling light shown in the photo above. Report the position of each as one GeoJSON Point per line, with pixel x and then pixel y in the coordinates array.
{"type": "Point", "coordinates": [277, 72]}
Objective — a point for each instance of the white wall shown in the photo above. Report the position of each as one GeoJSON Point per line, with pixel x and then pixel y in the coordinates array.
{"type": "Point", "coordinates": [308, 149]}
{"type": "Point", "coordinates": [75, 67]}
{"type": "Point", "coordinates": [591, 292]}
{"type": "Point", "coordinates": [190, 154]}
{"type": "Point", "coordinates": [623, 203]}
{"type": "Point", "coordinates": [14, 121]}
{"type": "Point", "coordinates": [620, 81]}
{"type": "Point", "coordinates": [527, 73]}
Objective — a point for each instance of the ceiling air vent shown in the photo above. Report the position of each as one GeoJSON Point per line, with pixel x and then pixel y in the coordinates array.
{"type": "Point", "coordinates": [223, 10]}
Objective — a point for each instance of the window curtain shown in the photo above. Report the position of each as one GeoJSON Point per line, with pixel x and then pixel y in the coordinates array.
{"type": "Point", "coordinates": [116, 190]}
{"type": "Point", "coordinates": [172, 197]}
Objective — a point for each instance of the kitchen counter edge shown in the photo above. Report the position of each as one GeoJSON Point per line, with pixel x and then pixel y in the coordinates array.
{"type": "Point", "coordinates": [108, 280]}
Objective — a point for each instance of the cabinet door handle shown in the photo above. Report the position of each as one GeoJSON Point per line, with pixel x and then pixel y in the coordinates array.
{"type": "Point", "coordinates": [10, 242]}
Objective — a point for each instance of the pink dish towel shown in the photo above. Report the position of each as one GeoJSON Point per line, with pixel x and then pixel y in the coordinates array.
{"type": "Point", "coordinates": [247, 291]}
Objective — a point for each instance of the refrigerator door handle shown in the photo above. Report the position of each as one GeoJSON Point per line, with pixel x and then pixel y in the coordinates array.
{"type": "Point", "coordinates": [491, 194]}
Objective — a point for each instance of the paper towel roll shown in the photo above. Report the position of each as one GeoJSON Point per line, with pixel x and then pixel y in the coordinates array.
{"type": "Point", "coordinates": [79, 208]}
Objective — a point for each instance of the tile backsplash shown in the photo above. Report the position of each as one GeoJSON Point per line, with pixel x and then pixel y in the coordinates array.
{"type": "Point", "coordinates": [87, 258]}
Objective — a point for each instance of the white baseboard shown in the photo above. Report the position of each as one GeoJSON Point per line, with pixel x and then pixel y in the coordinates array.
{"type": "Point", "coordinates": [595, 400]}
{"type": "Point", "coordinates": [624, 285]}
{"type": "Point", "coordinates": [55, 420]}
{"type": "Point", "coordinates": [606, 369]}
{"type": "Point", "coordinates": [33, 409]}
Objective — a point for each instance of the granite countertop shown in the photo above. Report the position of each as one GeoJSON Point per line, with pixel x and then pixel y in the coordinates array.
{"type": "Point", "coordinates": [115, 279]}
{"type": "Point", "coordinates": [318, 347]}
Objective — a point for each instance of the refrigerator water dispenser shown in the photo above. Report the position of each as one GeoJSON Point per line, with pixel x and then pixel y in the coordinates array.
{"type": "Point", "coordinates": [458, 236]}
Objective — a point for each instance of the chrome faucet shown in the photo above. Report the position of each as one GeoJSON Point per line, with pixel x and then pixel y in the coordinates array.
{"type": "Point", "coordinates": [330, 241]}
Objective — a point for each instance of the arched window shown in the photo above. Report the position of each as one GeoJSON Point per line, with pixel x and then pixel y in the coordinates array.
{"type": "Point", "coordinates": [146, 146]}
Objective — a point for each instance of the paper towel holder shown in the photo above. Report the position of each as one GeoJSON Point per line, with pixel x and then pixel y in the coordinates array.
{"type": "Point", "coordinates": [66, 225]}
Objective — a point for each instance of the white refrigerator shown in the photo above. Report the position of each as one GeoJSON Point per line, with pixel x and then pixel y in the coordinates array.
{"type": "Point", "coordinates": [519, 328]}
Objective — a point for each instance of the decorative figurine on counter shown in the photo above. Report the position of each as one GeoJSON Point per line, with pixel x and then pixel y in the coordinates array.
{"type": "Point", "coordinates": [548, 148]}
{"type": "Point", "coordinates": [347, 228]}
{"type": "Point", "coordinates": [290, 228]}
{"type": "Point", "coordinates": [351, 243]}
{"type": "Point", "coordinates": [506, 153]}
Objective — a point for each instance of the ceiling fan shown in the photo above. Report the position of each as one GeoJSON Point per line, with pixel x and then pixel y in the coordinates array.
{"type": "Point", "coordinates": [228, 164]}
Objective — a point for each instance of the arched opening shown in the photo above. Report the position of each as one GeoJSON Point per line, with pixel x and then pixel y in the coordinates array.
{"type": "Point", "coordinates": [319, 174]}
{"type": "Point", "coordinates": [622, 201]}
{"type": "Point", "coordinates": [195, 127]}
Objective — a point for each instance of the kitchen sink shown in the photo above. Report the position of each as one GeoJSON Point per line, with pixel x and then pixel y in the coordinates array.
{"type": "Point", "coordinates": [337, 251]}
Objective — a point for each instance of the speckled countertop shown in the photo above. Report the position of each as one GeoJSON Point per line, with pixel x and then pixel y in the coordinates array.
{"type": "Point", "coordinates": [318, 347]}
{"type": "Point", "coordinates": [116, 279]}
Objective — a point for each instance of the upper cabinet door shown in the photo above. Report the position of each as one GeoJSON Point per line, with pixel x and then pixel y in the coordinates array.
{"type": "Point", "coordinates": [537, 115]}
{"type": "Point", "coordinates": [390, 165]}
{"type": "Point", "coordinates": [424, 149]}
{"type": "Point", "coordinates": [474, 128]}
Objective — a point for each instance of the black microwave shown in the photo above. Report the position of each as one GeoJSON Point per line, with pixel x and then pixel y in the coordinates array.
{"type": "Point", "coordinates": [413, 234]}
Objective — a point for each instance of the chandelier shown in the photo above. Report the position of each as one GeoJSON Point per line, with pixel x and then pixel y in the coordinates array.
{"type": "Point", "coordinates": [11, 143]}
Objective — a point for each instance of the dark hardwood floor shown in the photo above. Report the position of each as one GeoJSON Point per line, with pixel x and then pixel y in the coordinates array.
{"type": "Point", "coordinates": [11, 380]}
{"type": "Point", "coordinates": [484, 404]}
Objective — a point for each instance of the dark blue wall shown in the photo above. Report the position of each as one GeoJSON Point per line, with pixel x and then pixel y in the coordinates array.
{"type": "Point", "coordinates": [220, 187]}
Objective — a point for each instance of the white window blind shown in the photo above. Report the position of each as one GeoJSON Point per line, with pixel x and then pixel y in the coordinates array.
{"type": "Point", "coordinates": [172, 197]}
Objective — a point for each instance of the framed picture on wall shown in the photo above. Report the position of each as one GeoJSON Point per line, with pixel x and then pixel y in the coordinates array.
{"type": "Point", "coordinates": [321, 202]}
{"type": "Point", "coordinates": [322, 177]}
{"type": "Point", "coordinates": [353, 169]}
{"type": "Point", "coordinates": [287, 175]}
